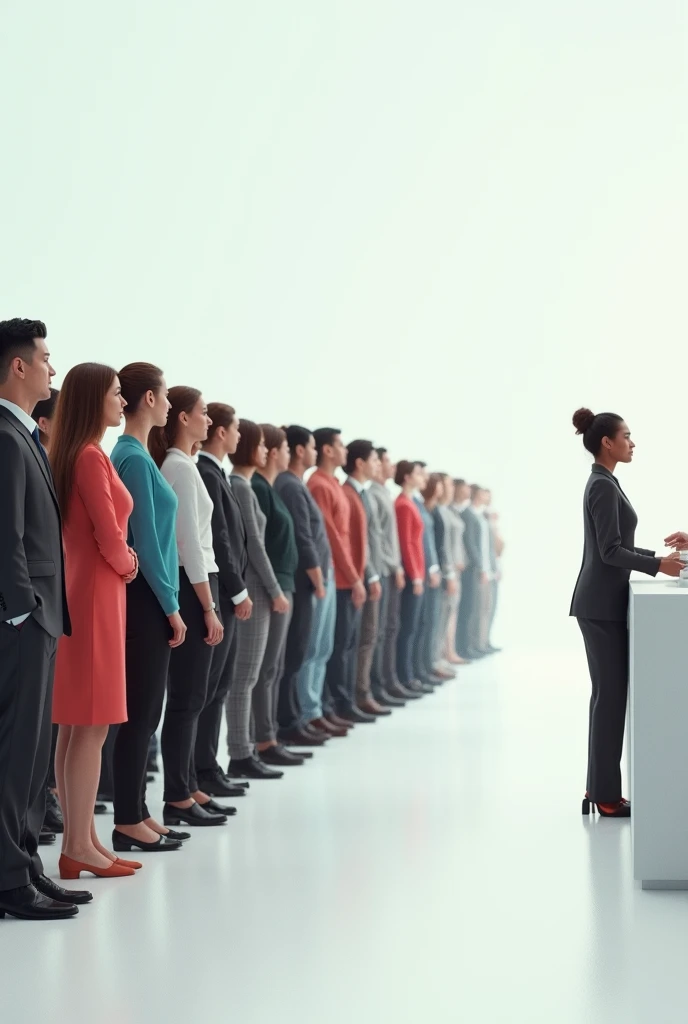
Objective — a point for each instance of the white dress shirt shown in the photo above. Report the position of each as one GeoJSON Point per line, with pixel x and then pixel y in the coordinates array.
{"type": "Point", "coordinates": [30, 424]}
{"type": "Point", "coordinates": [194, 516]}
{"type": "Point", "coordinates": [238, 598]}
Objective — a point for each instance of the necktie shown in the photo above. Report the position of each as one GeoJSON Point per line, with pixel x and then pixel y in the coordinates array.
{"type": "Point", "coordinates": [37, 441]}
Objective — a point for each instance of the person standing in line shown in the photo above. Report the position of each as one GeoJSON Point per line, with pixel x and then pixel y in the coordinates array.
{"type": "Point", "coordinates": [361, 464]}
{"type": "Point", "coordinates": [311, 633]}
{"type": "Point", "coordinates": [280, 546]}
{"type": "Point", "coordinates": [154, 626]}
{"type": "Point", "coordinates": [460, 501]}
{"type": "Point", "coordinates": [171, 447]}
{"type": "Point", "coordinates": [386, 688]}
{"type": "Point", "coordinates": [231, 555]}
{"type": "Point", "coordinates": [480, 624]}
{"type": "Point", "coordinates": [409, 477]}
{"type": "Point", "coordinates": [496, 549]}
{"type": "Point", "coordinates": [44, 416]}
{"type": "Point", "coordinates": [426, 500]}
{"type": "Point", "coordinates": [600, 601]}
{"type": "Point", "coordinates": [33, 616]}
{"type": "Point", "coordinates": [251, 635]}
{"type": "Point", "coordinates": [351, 592]}
{"type": "Point", "coordinates": [90, 689]}
{"type": "Point", "coordinates": [441, 517]}
{"type": "Point", "coordinates": [467, 640]}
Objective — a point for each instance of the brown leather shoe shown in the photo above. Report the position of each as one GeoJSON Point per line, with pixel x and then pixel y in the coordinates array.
{"type": "Point", "coordinates": [371, 707]}
{"type": "Point", "coordinates": [337, 721]}
{"type": "Point", "coordinates": [328, 727]}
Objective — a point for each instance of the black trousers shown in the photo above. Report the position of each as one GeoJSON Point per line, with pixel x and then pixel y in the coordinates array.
{"type": "Point", "coordinates": [52, 781]}
{"type": "Point", "coordinates": [470, 596]}
{"type": "Point", "coordinates": [340, 677]}
{"type": "Point", "coordinates": [187, 692]}
{"type": "Point", "coordinates": [27, 669]}
{"type": "Point", "coordinates": [210, 719]}
{"type": "Point", "coordinates": [606, 645]}
{"type": "Point", "coordinates": [147, 662]}
{"type": "Point", "coordinates": [424, 654]}
{"type": "Point", "coordinates": [288, 708]}
{"type": "Point", "coordinates": [409, 618]}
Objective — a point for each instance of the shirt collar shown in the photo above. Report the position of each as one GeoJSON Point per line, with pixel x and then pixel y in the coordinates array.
{"type": "Point", "coordinates": [26, 421]}
{"type": "Point", "coordinates": [213, 458]}
{"type": "Point", "coordinates": [359, 488]}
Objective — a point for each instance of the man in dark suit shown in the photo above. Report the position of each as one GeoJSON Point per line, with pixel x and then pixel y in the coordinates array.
{"type": "Point", "coordinates": [231, 555]}
{"type": "Point", "coordinates": [33, 615]}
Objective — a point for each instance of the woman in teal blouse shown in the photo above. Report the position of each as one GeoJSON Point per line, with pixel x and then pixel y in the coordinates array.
{"type": "Point", "coordinates": [280, 545]}
{"type": "Point", "coordinates": [154, 625]}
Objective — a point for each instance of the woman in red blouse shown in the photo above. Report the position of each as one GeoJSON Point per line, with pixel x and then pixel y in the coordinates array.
{"type": "Point", "coordinates": [89, 691]}
{"type": "Point", "coordinates": [410, 526]}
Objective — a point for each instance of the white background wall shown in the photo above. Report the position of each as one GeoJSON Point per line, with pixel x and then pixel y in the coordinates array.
{"type": "Point", "coordinates": [444, 225]}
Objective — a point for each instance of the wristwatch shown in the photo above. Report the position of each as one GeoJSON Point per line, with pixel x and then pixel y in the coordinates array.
{"type": "Point", "coordinates": [211, 609]}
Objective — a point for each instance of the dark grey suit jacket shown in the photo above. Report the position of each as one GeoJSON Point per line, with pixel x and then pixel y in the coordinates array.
{"type": "Point", "coordinates": [472, 540]}
{"type": "Point", "coordinates": [229, 532]}
{"type": "Point", "coordinates": [31, 556]}
{"type": "Point", "coordinates": [609, 552]}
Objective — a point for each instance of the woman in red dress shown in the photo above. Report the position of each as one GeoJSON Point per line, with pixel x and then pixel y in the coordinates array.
{"type": "Point", "coordinates": [89, 693]}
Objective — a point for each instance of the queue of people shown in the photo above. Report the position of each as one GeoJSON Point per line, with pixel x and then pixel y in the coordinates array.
{"type": "Point", "coordinates": [314, 588]}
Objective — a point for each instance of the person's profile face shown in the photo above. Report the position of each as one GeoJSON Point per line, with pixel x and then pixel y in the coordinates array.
{"type": "Point", "coordinates": [159, 403]}
{"type": "Point", "coordinates": [283, 454]}
{"type": "Point", "coordinates": [38, 372]}
{"type": "Point", "coordinates": [620, 447]}
{"type": "Point", "coordinates": [232, 437]}
{"type": "Point", "coordinates": [340, 451]}
{"type": "Point", "coordinates": [370, 465]}
{"type": "Point", "coordinates": [310, 453]}
{"type": "Point", "coordinates": [114, 405]}
{"type": "Point", "coordinates": [260, 456]}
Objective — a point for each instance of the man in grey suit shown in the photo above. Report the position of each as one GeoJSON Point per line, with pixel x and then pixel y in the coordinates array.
{"type": "Point", "coordinates": [33, 615]}
{"type": "Point", "coordinates": [468, 625]}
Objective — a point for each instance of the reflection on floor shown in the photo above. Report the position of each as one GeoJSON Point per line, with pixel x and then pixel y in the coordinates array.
{"type": "Point", "coordinates": [431, 867]}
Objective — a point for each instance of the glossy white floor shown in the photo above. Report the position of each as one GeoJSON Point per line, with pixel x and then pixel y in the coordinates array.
{"type": "Point", "coordinates": [434, 866]}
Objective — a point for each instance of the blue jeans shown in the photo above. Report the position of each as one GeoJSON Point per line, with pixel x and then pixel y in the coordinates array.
{"type": "Point", "coordinates": [311, 679]}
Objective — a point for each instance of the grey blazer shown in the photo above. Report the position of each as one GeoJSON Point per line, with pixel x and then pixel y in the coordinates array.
{"type": "Point", "coordinates": [383, 501]}
{"type": "Point", "coordinates": [472, 539]}
{"type": "Point", "coordinates": [31, 557]}
{"type": "Point", "coordinates": [609, 551]}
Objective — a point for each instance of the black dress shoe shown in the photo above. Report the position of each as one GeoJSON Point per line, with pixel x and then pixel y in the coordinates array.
{"type": "Point", "coordinates": [194, 815]}
{"type": "Point", "coordinates": [403, 692]}
{"type": "Point", "coordinates": [299, 738]}
{"type": "Point", "coordinates": [251, 768]}
{"type": "Point", "coordinates": [216, 783]}
{"type": "Point", "coordinates": [388, 701]}
{"type": "Point", "coordinates": [47, 887]}
{"type": "Point", "coordinates": [53, 820]}
{"type": "Point", "coordinates": [46, 838]}
{"type": "Point", "coordinates": [100, 808]}
{"type": "Point", "coordinates": [218, 808]}
{"type": "Point", "coordinates": [179, 836]}
{"type": "Point", "coordinates": [279, 755]}
{"type": "Point", "coordinates": [316, 732]}
{"type": "Point", "coordinates": [356, 715]}
{"type": "Point", "coordinates": [28, 904]}
{"type": "Point", "coordinates": [125, 844]}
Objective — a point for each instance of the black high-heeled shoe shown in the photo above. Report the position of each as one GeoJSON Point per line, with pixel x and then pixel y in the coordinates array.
{"type": "Point", "coordinates": [124, 844]}
{"type": "Point", "coordinates": [194, 815]}
{"type": "Point", "coordinates": [620, 810]}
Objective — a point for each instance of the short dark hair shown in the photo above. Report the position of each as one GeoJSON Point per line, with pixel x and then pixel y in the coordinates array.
{"type": "Point", "coordinates": [46, 407]}
{"type": "Point", "coordinates": [459, 481]}
{"type": "Point", "coordinates": [245, 455]}
{"type": "Point", "coordinates": [274, 436]}
{"type": "Point", "coordinates": [18, 338]}
{"type": "Point", "coordinates": [381, 452]}
{"type": "Point", "coordinates": [596, 427]}
{"type": "Point", "coordinates": [475, 489]}
{"type": "Point", "coordinates": [296, 436]}
{"type": "Point", "coordinates": [404, 469]}
{"type": "Point", "coordinates": [358, 449]}
{"type": "Point", "coordinates": [420, 464]}
{"type": "Point", "coordinates": [324, 436]}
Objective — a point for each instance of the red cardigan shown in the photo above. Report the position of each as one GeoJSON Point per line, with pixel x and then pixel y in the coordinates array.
{"type": "Point", "coordinates": [410, 526]}
{"type": "Point", "coordinates": [332, 502]}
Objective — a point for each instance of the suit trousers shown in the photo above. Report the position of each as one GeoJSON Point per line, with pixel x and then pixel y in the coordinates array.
{"type": "Point", "coordinates": [469, 608]}
{"type": "Point", "coordinates": [410, 610]}
{"type": "Point", "coordinates": [383, 671]}
{"type": "Point", "coordinates": [427, 632]}
{"type": "Point", "coordinates": [485, 615]}
{"type": "Point", "coordinates": [27, 668]}
{"type": "Point", "coordinates": [246, 658]}
{"type": "Point", "coordinates": [288, 704]}
{"type": "Point", "coordinates": [266, 691]}
{"type": "Point", "coordinates": [210, 718]}
{"type": "Point", "coordinates": [370, 622]}
{"type": "Point", "coordinates": [187, 691]}
{"type": "Point", "coordinates": [606, 645]}
{"type": "Point", "coordinates": [340, 677]}
{"type": "Point", "coordinates": [444, 611]}
{"type": "Point", "coordinates": [310, 684]}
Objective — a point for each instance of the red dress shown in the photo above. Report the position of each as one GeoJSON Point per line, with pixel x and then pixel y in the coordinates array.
{"type": "Point", "coordinates": [89, 672]}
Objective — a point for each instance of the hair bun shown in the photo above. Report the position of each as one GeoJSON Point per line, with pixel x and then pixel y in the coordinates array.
{"type": "Point", "coordinates": [583, 420]}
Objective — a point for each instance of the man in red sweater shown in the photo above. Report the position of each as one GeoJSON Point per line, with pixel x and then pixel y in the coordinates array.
{"type": "Point", "coordinates": [349, 571]}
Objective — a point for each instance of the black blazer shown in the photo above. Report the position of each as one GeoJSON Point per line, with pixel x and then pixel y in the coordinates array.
{"type": "Point", "coordinates": [31, 555]}
{"type": "Point", "coordinates": [609, 552]}
{"type": "Point", "coordinates": [229, 532]}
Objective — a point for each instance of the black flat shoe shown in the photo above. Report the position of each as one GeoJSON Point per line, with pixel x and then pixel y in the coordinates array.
{"type": "Point", "coordinates": [251, 768]}
{"type": "Point", "coordinates": [194, 815]}
{"type": "Point", "coordinates": [279, 755]}
{"type": "Point", "coordinates": [46, 838]}
{"type": "Point", "coordinates": [100, 808]}
{"type": "Point", "coordinates": [125, 844]}
{"type": "Point", "coordinates": [216, 783]}
{"type": "Point", "coordinates": [47, 887]}
{"type": "Point", "coordinates": [181, 837]}
{"type": "Point", "coordinates": [218, 808]}
{"type": "Point", "coordinates": [53, 820]}
{"type": "Point", "coordinates": [28, 904]}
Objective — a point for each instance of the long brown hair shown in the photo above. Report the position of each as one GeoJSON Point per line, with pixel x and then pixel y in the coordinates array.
{"type": "Point", "coordinates": [181, 399]}
{"type": "Point", "coordinates": [79, 420]}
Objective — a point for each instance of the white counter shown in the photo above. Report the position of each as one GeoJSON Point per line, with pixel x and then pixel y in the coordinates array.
{"type": "Point", "coordinates": [658, 620]}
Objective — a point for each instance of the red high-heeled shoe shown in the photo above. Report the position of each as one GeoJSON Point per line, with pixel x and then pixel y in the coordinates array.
{"type": "Point", "coordinates": [71, 869]}
{"type": "Point", "coordinates": [135, 864]}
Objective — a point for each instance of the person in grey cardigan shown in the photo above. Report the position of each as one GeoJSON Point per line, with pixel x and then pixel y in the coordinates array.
{"type": "Point", "coordinates": [250, 636]}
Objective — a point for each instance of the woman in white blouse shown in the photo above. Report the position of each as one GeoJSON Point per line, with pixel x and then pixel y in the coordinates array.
{"type": "Point", "coordinates": [172, 448]}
